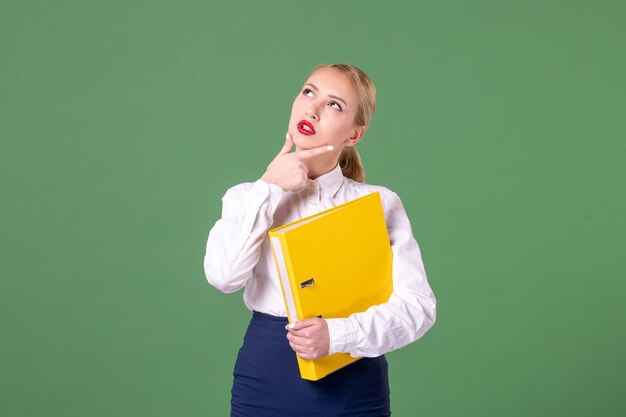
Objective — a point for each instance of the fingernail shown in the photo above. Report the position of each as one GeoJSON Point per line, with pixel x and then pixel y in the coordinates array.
{"type": "Point", "coordinates": [292, 325]}
{"type": "Point", "coordinates": [287, 135]}
{"type": "Point", "coordinates": [330, 148]}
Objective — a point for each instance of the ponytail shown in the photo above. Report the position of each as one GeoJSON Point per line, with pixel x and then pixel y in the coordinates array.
{"type": "Point", "coordinates": [350, 163]}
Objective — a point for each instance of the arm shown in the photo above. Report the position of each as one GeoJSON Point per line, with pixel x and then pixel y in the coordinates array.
{"type": "Point", "coordinates": [410, 311]}
{"type": "Point", "coordinates": [234, 242]}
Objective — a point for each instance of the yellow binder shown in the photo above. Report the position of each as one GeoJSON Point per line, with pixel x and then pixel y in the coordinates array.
{"type": "Point", "coordinates": [332, 264]}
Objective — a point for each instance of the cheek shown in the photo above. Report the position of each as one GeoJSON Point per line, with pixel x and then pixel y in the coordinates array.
{"type": "Point", "coordinates": [338, 125]}
{"type": "Point", "coordinates": [296, 108]}
{"type": "Point", "coordinates": [294, 113]}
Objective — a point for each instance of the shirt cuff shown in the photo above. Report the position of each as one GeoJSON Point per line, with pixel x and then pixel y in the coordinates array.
{"type": "Point", "coordinates": [343, 336]}
{"type": "Point", "coordinates": [257, 204]}
{"type": "Point", "coordinates": [276, 194]}
{"type": "Point", "coordinates": [271, 194]}
{"type": "Point", "coordinates": [263, 196]}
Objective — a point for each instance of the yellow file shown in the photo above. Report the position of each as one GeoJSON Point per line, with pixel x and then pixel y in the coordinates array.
{"type": "Point", "coordinates": [333, 264]}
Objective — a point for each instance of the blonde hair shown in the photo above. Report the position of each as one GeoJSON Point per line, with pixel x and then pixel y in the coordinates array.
{"type": "Point", "coordinates": [349, 160]}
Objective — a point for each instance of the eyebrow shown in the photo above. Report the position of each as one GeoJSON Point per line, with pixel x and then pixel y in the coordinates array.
{"type": "Point", "coordinates": [335, 97]}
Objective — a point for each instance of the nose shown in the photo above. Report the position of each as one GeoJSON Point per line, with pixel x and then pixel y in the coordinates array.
{"type": "Point", "coordinates": [312, 113]}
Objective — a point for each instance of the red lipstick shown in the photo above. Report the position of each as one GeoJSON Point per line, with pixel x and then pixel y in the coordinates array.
{"type": "Point", "coordinates": [306, 128]}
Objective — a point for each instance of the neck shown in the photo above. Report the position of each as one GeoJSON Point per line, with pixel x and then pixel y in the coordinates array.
{"type": "Point", "coordinates": [320, 165]}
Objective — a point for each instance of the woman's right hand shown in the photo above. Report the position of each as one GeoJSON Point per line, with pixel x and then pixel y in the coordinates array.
{"type": "Point", "coordinates": [288, 169]}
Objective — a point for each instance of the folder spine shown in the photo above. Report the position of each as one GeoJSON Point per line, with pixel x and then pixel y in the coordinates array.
{"type": "Point", "coordinates": [288, 286]}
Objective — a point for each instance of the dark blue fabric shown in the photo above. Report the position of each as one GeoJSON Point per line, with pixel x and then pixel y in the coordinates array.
{"type": "Point", "coordinates": [267, 380]}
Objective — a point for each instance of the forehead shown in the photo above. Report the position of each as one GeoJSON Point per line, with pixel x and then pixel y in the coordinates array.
{"type": "Point", "coordinates": [332, 81]}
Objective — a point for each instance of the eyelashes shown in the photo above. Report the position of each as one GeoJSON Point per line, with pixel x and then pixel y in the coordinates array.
{"type": "Point", "coordinates": [339, 108]}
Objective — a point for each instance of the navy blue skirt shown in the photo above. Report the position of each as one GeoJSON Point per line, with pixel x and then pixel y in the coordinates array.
{"type": "Point", "coordinates": [267, 380]}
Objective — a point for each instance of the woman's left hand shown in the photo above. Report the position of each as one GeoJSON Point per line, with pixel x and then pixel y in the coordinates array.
{"type": "Point", "coordinates": [309, 338]}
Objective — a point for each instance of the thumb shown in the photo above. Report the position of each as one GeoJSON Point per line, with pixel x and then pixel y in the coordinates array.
{"type": "Point", "coordinates": [287, 146]}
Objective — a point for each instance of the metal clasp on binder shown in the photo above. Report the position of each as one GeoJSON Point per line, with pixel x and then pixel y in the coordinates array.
{"type": "Point", "coordinates": [307, 283]}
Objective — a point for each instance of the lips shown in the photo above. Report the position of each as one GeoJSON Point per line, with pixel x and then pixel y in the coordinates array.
{"type": "Point", "coordinates": [306, 128]}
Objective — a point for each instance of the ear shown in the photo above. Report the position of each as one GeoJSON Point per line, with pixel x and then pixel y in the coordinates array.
{"type": "Point", "coordinates": [356, 136]}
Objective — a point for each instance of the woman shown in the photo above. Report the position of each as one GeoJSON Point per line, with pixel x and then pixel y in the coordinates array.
{"type": "Point", "coordinates": [328, 118]}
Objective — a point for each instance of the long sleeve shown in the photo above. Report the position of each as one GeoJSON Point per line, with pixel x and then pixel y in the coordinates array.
{"type": "Point", "coordinates": [234, 242]}
{"type": "Point", "coordinates": [410, 311]}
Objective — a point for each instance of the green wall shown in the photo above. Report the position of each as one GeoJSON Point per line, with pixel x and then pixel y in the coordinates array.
{"type": "Point", "coordinates": [500, 124]}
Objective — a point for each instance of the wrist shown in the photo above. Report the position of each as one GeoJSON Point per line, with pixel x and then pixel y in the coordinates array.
{"type": "Point", "coordinates": [266, 178]}
{"type": "Point", "coordinates": [272, 184]}
{"type": "Point", "coordinates": [271, 181]}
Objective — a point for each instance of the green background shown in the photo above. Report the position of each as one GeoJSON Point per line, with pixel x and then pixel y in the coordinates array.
{"type": "Point", "coordinates": [500, 124]}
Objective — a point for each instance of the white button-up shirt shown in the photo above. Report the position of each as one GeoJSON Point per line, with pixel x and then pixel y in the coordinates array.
{"type": "Point", "coordinates": [239, 255]}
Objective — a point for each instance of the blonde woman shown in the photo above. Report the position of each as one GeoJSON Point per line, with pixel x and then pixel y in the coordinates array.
{"type": "Point", "coordinates": [329, 116]}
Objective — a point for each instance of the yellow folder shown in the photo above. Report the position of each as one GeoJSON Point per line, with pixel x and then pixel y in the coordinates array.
{"type": "Point", "coordinates": [332, 264]}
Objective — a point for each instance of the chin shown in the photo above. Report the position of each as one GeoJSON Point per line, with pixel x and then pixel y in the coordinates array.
{"type": "Point", "coordinates": [305, 142]}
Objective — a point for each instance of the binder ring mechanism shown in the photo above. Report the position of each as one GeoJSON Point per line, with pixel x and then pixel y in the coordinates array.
{"type": "Point", "coordinates": [307, 283]}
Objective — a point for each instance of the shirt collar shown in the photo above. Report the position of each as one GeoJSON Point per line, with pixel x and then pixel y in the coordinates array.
{"type": "Point", "coordinates": [331, 181]}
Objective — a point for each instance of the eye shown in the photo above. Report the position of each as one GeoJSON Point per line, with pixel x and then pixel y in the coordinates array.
{"type": "Point", "coordinates": [305, 91]}
{"type": "Point", "coordinates": [338, 105]}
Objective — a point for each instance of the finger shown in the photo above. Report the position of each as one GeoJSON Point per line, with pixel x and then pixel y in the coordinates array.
{"type": "Point", "coordinates": [293, 331]}
{"type": "Point", "coordinates": [305, 333]}
{"type": "Point", "coordinates": [302, 350]}
{"type": "Point", "coordinates": [301, 324]}
{"type": "Point", "coordinates": [310, 153]}
{"type": "Point", "coordinates": [287, 146]}
{"type": "Point", "coordinates": [309, 355]}
{"type": "Point", "coordinates": [298, 340]}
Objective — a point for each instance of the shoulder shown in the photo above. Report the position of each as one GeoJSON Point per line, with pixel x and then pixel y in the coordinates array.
{"type": "Point", "coordinates": [388, 197]}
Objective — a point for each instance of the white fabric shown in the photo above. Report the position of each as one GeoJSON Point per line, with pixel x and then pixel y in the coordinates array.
{"type": "Point", "coordinates": [238, 254]}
